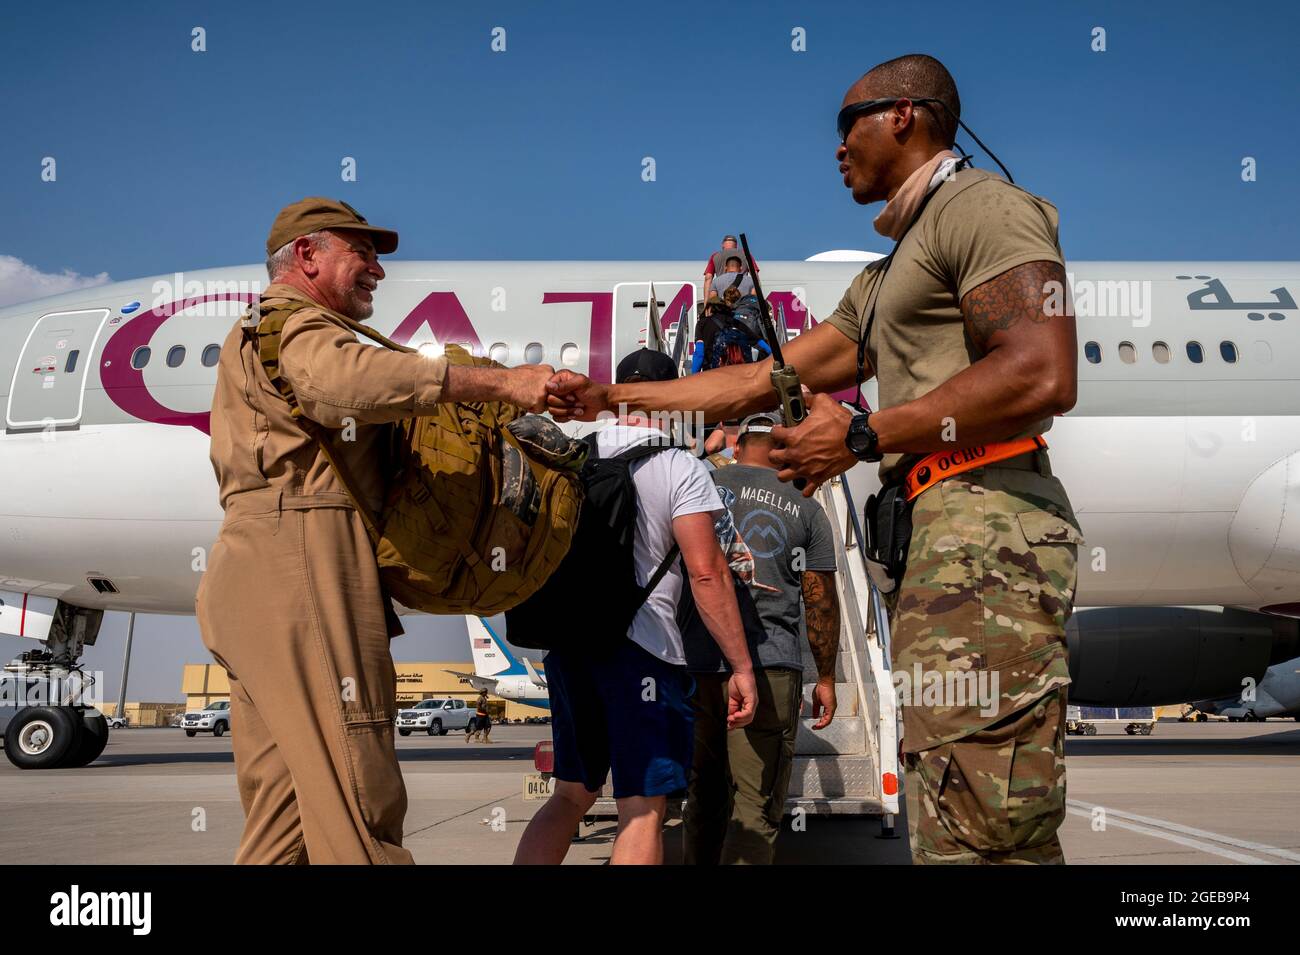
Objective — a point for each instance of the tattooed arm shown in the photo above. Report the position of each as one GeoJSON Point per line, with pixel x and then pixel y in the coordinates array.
{"type": "Point", "coordinates": [821, 609]}
{"type": "Point", "coordinates": [1028, 369]}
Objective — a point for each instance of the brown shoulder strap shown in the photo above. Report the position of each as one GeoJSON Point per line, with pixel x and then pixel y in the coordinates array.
{"type": "Point", "coordinates": [266, 335]}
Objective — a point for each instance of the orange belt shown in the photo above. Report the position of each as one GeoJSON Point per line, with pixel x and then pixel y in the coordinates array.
{"type": "Point", "coordinates": [933, 468]}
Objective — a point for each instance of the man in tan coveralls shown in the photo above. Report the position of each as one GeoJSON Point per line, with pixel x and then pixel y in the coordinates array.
{"type": "Point", "coordinates": [291, 604]}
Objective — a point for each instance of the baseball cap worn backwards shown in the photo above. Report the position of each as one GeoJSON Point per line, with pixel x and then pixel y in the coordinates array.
{"type": "Point", "coordinates": [760, 423]}
{"type": "Point", "coordinates": [318, 212]}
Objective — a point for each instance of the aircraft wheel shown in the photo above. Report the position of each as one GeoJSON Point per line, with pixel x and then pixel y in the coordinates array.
{"type": "Point", "coordinates": [94, 737]}
{"type": "Point", "coordinates": [40, 737]}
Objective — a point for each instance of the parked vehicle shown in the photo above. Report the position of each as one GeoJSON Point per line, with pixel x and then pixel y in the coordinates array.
{"type": "Point", "coordinates": [214, 719]}
{"type": "Point", "coordinates": [435, 717]}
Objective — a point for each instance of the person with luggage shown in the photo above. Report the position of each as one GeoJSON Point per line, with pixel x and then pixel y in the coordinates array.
{"type": "Point", "coordinates": [291, 604]}
{"type": "Point", "coordinates": [620, 699]}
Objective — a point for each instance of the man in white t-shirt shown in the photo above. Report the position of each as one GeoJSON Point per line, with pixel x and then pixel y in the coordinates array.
{"type": "Point", "coordinates": [628, 713]}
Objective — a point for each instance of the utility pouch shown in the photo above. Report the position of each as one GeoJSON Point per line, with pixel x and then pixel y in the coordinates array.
{"type": "Point", "coordinates": [887, 522]}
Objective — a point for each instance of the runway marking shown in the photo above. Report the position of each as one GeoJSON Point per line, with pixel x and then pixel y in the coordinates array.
{"type": "Point", "coordinates": [1162, 829]}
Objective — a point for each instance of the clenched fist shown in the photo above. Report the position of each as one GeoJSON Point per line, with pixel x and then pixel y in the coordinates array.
{"type": "Point", "coordinates": [574, 397]}
{"type": "Point", "coordinates": [526, 386]}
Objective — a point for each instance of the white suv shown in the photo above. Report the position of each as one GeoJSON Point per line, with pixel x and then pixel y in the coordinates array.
{"type": "Point", "coordinates": [214, 719]}
{"type": "Point", "coordinates": [435, 717]}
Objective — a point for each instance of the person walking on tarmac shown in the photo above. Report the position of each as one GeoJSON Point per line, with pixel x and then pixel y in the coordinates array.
{"type": "Point", "coordinates": [482, 726]}
{"type": "Point", "coordinates": [291, 604]}
{"type": "Point", "coordinates": [962, 328]}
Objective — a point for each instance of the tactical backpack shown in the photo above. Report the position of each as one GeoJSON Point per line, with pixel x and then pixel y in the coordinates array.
{"type": "Point", "coordinates": [481, 503]}
{"type": "Point", "coordinates": [590, 601]}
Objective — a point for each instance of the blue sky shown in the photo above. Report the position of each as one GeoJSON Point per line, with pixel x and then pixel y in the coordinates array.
{"type": "Point", "coordinates": [172, 160]}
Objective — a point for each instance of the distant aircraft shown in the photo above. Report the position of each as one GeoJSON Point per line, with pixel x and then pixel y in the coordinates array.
{"type": "Point", "coordinates": [1278, 694]}
{"type": "Point", "coordinates": [498, 671]}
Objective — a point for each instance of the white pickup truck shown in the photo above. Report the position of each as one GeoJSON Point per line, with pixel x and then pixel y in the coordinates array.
{"type": "Point", "coordinates": [435, 717]}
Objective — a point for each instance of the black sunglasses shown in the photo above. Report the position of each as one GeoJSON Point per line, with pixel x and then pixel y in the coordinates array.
{"type": "Point", "coordinates": [849, 114]}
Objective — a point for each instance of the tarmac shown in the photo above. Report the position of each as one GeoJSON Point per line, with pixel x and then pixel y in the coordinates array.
{"type": "Point", "coordinates": [1209, 793]}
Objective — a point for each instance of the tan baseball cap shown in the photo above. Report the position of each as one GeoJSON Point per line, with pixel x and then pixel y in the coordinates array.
{"type": "Point", "coordinates": [317, 212]}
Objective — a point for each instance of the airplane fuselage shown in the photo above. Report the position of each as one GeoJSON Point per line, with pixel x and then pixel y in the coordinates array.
{"type": "Point", "coordinates": [1182, 456]}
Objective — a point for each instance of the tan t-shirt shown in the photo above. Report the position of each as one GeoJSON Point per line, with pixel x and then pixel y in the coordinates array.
{"type": "Point", "coordinates": [974, 228]}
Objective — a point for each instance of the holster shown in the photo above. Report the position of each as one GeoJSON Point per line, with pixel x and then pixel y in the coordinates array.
{"type": "Point", "coordinates": [887, 522]}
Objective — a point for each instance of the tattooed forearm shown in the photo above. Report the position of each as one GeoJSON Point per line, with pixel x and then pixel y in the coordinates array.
{"type": "Point", "coordinates": [821, 610]}
{"type": "Point", "coordinates": [1016, 294]}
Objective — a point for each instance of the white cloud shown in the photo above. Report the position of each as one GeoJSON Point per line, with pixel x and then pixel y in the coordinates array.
{"type": "Point", "coordinates": [20, 282]}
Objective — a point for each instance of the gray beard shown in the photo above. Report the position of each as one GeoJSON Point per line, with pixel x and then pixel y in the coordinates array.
{"type": "Point", "coordinates": [357, 309]}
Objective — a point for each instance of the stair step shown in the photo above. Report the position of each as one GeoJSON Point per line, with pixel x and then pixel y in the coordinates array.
{"type": "Point", "coordinates": [832, 777]}
{"type": "Point", "coordinates": [846, 736]}
{"type": "Point", "coordinates": [846, 699]}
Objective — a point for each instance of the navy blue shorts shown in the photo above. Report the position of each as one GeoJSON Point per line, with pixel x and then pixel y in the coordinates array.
{"type": "Point", "coordinates": [605, 717]}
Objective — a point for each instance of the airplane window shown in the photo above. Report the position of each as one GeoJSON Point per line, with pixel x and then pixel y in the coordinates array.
{"type": "Point", "coordinates": [1160, 352]}
{"type": "Point", "coordinates": [1127, 353]}
{"type": "Point", "coordinates": [1194, 352]}
{"type": "Point", "coordinates": [210, 355]}
{"type": "Point", "coordinates": [1092, 352]}
{"type": "Point", "coordinates": [500, 353]}
{"type": "Point", "coordinates": [1229, 352]}
{"type": "Point", "coordinates": [533, 353]}
{"type": "Point", "coordinates": [140, 357]}
{"type": "Point", "coordinates": [569, 354]}
{"type": "Point", "coordinates": [71, 364]}
{"type": "Point", "coordinates": [175, 356]}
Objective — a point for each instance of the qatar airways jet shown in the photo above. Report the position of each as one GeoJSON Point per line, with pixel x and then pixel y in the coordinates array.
{"type": "Point", "coordinates": [1182, 456]}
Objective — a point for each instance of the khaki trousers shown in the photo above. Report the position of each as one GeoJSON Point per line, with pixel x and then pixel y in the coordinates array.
{"type": "Point", "coordinates": [291, 607]}
{"type": "Point", "coordinates": [739, 778]}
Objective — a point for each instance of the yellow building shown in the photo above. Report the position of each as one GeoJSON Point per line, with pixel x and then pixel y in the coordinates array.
{"type": "Point", "coordinates": [202, 683]}
{"type": "Point", "coordinates": [145, 714]}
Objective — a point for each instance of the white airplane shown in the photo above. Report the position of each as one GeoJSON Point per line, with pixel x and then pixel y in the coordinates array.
{"type": "Point", "coordinates": [499, 671]}
{"type": "Point", "coordinates": [1277, 695]}
{"type": "Point", "coordinates": [1182, 456]}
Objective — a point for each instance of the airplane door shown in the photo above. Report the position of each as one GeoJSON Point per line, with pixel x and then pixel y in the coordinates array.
{"type": "Point", "coordinates": [676, 297]}
{"type": "Point", "coordinates": [49, 379]}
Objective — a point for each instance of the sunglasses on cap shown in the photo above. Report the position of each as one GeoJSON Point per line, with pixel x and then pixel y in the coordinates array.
{"type": "Point", "coordinates": [849, 114]}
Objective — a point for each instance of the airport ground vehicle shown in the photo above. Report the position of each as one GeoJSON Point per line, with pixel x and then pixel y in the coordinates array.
{"type": "Point", "coordinates": [46, 716]}
{"type": "Point", "coordinates": [1083, 720]}
{"type": "Point", "coordinates": [435, 717]}
{"type": "Point", "coordinates": [851, 767]}
{"type": "Point", "coordinates": [214, 719]}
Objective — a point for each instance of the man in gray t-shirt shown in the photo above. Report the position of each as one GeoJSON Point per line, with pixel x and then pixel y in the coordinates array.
{"type": "Point", "coordinates": [782, 556]}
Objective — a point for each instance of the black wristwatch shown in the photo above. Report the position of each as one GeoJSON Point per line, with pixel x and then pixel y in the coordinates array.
{"type": "Point", "coordinates": [861, 441]}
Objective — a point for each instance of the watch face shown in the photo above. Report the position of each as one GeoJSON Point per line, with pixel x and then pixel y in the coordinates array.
{"type": "Point", "coordinates": [860, 437]}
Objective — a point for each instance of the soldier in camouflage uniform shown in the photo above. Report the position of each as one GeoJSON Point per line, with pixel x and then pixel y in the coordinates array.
{"type": "Point", "coordinates": [973, 360]}
{"type": "Point", "coordinates": [989, 585]}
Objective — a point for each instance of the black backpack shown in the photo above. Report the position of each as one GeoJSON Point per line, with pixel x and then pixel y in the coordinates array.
{"type": "Point", "coordinates": [590, 600]}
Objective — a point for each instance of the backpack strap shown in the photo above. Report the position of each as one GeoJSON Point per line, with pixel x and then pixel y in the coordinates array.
{"type": "Point", "coordinates": [631, 456]}
{"type": "Point", "coordinates": [265, 334]}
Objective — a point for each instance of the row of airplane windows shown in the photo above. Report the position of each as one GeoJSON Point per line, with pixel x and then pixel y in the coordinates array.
{"type": "Point", "coordinates": [1161, 352]}
{"type": "Point", "coordinates": [534, 352]}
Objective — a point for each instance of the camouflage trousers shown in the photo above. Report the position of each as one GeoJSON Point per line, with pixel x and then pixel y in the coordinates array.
{"type": "Point", "coordinates": [979, 658]}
